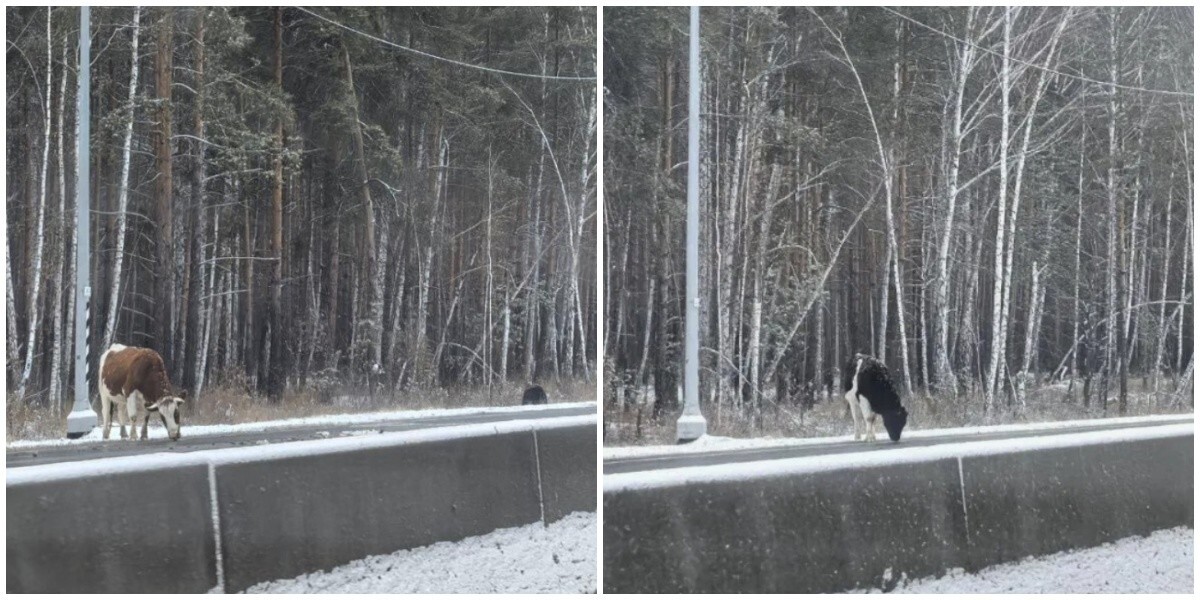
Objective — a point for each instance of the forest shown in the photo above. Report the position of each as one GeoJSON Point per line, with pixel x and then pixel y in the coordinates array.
{"type": "Point", "coordinates": [992, 200]}
{"type": "Point", "coordinates": [285, 198]}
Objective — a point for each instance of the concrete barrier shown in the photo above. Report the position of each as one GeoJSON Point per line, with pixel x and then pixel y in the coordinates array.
{"type": "Point", "coordinates": [227, 519]}
{"type": "Point", "coordinates": [567, 487]}
{"type": "Point", "coordinates": [840, 522]}
{"type": "Point", "coordinates": [135, 531]}
{"type": "Point", "coordinates": [1032, 503]}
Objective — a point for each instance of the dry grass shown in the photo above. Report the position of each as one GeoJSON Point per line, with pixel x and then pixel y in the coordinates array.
{"type": "Point", "coordinates": [25, 421]}
{"type": "Point", "coordinates": [636, 426]}
{"type": "Point", "coordinates": [229, 402]}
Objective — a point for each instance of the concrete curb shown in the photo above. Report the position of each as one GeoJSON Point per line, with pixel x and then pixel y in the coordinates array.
{"type": "Point", "coordinates": [227, 519]}
{"type": "Point", "coordinates": [802, 527]}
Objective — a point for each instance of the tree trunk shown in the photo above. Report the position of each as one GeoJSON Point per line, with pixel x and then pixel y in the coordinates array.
{"type": "Point", "coordinates": [35, 293]}
{"type": "Point", "coordinates": [1018, 179]}
{"type": "Point", "coordinates": [1188, 245]}
{"type": "Point", "coordinates": [275, 379]}
{"type": "Point", "coordinates": [999, 281]}
{"type": "Point", "coordinates": [14, 357]}
{"type": "Point", "coordinates": [943, 370]}
{"type": "Point", "coordinates": [1113, 347]}
{"type": "Point", "coordinates": [194, 330]}
{"type": "Point", "coordinates": [114, 294]}
{"type": "Point", "coordinates": [164, 304]}
{"type": "Point", "coordinates": [60, 252]}
{"type": "Point", "coordinates": [488, 280]}
{"type": "Point", "coordinates": [532, 299]}
{"type": "Point", "coordinates": [1078, 253]}
{"type": "Point", "coordinates": [756, 305]}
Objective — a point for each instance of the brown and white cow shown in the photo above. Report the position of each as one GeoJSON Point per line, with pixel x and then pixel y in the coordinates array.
{"type": "Point", "coordinates": [135, 381]}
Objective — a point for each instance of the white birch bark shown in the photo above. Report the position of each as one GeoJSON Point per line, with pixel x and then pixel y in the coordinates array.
{"type": "Point", "coordinates": [35, 294]}
{"type": "Point", "coordinates": [486, 342]}
{"type": "Point", "coordinates": [965, 63]}
{"type": "Point", "coordinates": [114, 294]}
{"type": "Point", "coordinates": [1111, 317]}
{"type": "Point", "coordinates": [760, 265]}
{"type": "Point", "coordinates": [1188, 246]}
{"type": "Point", "coordinates": [1161, 343]}
{"type": "Point", "coordinates": [13, 358]}
{"type": "Point", "coordinates": [993, 372]}
{"type": "Point", "coordinates": [1018, 179]}
{"type": "Point", "coordinates": [208, 303]}
{"type": "Point", "coordinates": [60, 252]}
{"type": "Point", "coordinates": [1077, 307]}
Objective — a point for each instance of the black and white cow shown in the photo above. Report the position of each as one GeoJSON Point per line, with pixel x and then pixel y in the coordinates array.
{"type": "Point", "coordinates": [870, 392]}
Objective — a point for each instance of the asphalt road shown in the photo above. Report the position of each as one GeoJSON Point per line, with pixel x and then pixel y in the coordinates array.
{"type": "Point", "coordinates": [882, 444]}
{"type": "Point", "coordinates": [21, 457]}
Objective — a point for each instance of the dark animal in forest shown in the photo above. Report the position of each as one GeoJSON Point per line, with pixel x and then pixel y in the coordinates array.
{"type": "Point", "coordinates": [534, 395]}
{"type": "Point", "coordinates": [870, 392]}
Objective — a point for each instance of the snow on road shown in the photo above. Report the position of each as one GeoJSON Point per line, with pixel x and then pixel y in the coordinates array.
{"type": "Point", "coordinates": [900, 454]}
{"type": "Point", "coordinates": [710, 443]}
{"type": "Point", "coordinates": [1159, 563]}
{"type": "Point", "coordinates": [157, 431]}
{"type": "Point", "coordinates": [559, 558]}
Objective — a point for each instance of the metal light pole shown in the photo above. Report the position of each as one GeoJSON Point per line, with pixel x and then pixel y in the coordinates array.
{"type": "Point", "coordinates": [82, 419]}
{"type": "Point", "coordinates": [691, 424]}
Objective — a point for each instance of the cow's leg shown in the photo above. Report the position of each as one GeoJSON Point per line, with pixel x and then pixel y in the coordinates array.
{"type": "Point", "coordinates": [145, 421]}
{"type": "Point", "coordinates": [868, 418]}
{"type": "Point", "coordinates": [106, 411]}
{"type": "Point", "coordinates": [132, 412]}
{"type": "Point", "coordinates": [854, 414]}
{"type": "Point", "coordinates": [119, 403]}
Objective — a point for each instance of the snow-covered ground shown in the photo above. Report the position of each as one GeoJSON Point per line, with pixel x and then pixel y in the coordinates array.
{"type": "Point", "coordinates": [156, 429]}
{"type": "Point", "coordinates": [559, 558]}
{"type": "Point", "coordinates": [710, 443]}
{"type": "Point", "coordinates": [1159, 563]}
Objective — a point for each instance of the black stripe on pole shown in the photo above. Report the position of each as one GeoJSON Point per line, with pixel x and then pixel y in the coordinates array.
{"type": "Point", "coordinates": [87, 343]}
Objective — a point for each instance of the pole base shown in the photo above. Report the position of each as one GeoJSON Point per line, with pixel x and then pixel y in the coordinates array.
{"type": "Point", "coordinates": [80, 423]}
{"type": "Point", "coordinates": [690, 428]}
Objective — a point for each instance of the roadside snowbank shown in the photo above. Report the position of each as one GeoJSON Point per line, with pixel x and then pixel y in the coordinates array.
{"type": "Point", "coordinates": [157, 431]}
{"type": "Point", "coordinates": [711, 443]}
{"type": "Point", "coordinates": [559, 558]}
{"type": "Point", "coordinates": [1159, 563]}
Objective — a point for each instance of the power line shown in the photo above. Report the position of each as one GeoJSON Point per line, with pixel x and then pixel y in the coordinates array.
{"type": "Point", "coordinates": [1131, 88]}
{"type": "Point", "coordinates": [442, 58]}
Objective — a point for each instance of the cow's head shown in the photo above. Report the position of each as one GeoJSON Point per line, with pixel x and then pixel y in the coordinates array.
{"type": "Point", "coordinates": [169, 409]}
{"type": "Point", "coordinates": [894, 422]}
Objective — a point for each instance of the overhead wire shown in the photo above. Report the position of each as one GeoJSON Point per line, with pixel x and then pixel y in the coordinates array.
{"type": "Point", "coordinates": [1132, 88]}
{"type": "Point", "coordinates": [443, 58]}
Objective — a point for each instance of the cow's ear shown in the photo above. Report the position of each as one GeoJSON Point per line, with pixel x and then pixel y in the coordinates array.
{"type": "Point", "coordinates": [182, 395]}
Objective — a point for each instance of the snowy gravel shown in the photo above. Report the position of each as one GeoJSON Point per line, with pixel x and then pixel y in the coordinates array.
{"type": "Point", "coordinates": [559, 558]}
{"type": "Point", "coordinates": [1159, 563]}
